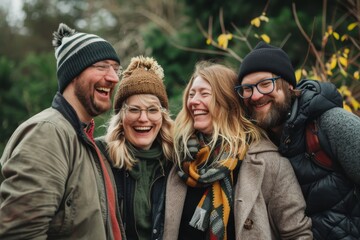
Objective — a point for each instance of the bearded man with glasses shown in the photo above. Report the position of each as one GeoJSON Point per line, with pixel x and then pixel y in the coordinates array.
{"type": "Point", "coordinates": [273, 100]}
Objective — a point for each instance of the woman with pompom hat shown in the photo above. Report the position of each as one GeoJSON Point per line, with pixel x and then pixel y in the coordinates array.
{"type": "Point", "coordinates": [139, 144]}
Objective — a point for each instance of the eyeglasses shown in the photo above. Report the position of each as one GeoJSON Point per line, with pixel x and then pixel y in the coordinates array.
{"type": "Point", "coordinates": [105, 67]}
{"type": "Point", "coordinates": [264, 86]}
{"type": "Point", "coordinates": [133, 113]}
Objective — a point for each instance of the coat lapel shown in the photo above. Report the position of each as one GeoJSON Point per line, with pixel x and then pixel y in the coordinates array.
{"type": "Point", "coordinates": [247, 189]}
{"type": "Point", "coordinates": [174, 204]}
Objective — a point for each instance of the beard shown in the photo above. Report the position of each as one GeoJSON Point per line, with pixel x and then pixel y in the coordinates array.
{"type": "Point", "coordinates": [275, 116]}
{"type": "Point", "coordinates": [83, 93]}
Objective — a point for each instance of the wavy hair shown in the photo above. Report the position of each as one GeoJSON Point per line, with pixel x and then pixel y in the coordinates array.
{"type": "Point", "coordinates": [230, 126]}
{"type": "Point", "coordinates": [119, 152]}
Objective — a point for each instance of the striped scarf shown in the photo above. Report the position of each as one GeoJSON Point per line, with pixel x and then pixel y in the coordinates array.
{"type": "Point", "coordinates": [212, 212]}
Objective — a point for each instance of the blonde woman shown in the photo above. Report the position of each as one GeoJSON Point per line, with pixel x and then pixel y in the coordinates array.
{"type": "Point", "coordinates": [229, 182]}
{"type": "Point", "coordinates": [139, 144]}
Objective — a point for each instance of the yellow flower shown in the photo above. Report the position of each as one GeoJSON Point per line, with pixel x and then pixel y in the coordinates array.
{"type": "Point", "coordinates": [255, 22]}
{"type": "Point", "coordinates": [328, 69]}
{"type": "Point", "coordinates": [333, 62]}
{"type": "Point", "coordinates": [298, 75]}
{"type": "Point", "coordinates": [347, 107]}
{"type": "Point", "coordinates": [344, 91]}
{"type": "Point", "coordinates": [343, 61]}
{"type": "Point", "coordinates": [330, 30]}
{"type": "Point", "coordinates": [351, 26]}
{"type": "Point", "coordinates": [355, 103]}
{"type": "Point", "coordinates": [223, 40]}
{"type": "Point", "coordinates": [265, 37]}
{"type": "Point", "coordinates": [264, 18]}
{"type": "Point", "coordinates": [336, 35]}
{"type": "Point", "coordinates": [344, 37]}
{"type": "Point", "coordinates": [356, 75]}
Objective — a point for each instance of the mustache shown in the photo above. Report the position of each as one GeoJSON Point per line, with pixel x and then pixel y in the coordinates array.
{"type": "Point", "coordinates": [263, 100]}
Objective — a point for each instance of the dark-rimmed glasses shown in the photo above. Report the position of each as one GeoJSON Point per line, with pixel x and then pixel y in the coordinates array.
{"type": "Point", "coordinates": [133, 113]}
{"type": "Point", "coordinates": [264, 86]}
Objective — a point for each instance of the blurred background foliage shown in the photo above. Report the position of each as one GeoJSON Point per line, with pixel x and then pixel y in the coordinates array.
{"type": "Point", "coordinates": [176, 33]}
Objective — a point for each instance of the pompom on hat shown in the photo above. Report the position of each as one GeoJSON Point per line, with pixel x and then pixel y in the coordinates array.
{"type": "Point", "coordinates": [267, 58]}
{"type": "Point", "coordinates": [143, 76]}
{"type": "Point", "coordinates": [75, 51]}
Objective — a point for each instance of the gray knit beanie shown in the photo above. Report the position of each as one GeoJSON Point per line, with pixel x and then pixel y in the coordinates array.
{"type": "Point", "coordinates": [75, 52]}
{"type": "Point", "coordinates": [265, 57]}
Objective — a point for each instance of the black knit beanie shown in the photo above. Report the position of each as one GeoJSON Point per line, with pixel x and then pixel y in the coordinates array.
{"type": "Point", "coordinates": [267, 58]}
{"type": "Point", "coordinates": [75, 52]}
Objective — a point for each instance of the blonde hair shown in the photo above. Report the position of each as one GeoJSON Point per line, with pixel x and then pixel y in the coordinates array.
{"type": "Point", "coordinates": [118, 150]}
{"type": "Point", "coordinates": [230, 125]}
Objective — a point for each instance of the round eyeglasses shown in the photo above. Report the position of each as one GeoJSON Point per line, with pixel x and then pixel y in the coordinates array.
{"type": "Point", "coordinates": [105, 67]}
{"type": "Point", "coordinates": [133, 113]}
{"type": "Point", "coordinates": [264, 86]}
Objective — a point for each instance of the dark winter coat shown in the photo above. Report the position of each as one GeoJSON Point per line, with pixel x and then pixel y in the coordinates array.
{"type": "Point", "coordinates": [126, 184]}
{"type": "Point", "coordinates": [330, 194]}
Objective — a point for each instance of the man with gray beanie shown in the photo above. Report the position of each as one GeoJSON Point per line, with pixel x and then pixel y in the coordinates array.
{"type": "Point", "coordinates": [56, 184]}
{"type": "Point", "coordinates": [286, 110]}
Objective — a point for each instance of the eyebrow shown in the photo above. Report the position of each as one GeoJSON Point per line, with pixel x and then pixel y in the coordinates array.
{"type": "Point", "coordinates": [109, 62]}
{"type": "Point", "coordinates": [138, 106]}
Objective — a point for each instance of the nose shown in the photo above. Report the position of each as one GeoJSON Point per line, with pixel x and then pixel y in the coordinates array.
{"type": "Point", "coordinates": [256, 94]}
{"type": "Point", "coordinates": [143, 116]}
{"type": "Point", "coordinates": [195, 99]}
{"type": "Point", "coordinates": [112, 75]}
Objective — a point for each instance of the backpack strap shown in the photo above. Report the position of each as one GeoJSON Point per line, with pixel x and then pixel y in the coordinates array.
{"type": "Point", "coordinates": [314, 148]}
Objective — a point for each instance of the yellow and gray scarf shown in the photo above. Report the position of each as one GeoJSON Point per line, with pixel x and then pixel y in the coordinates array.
{"type": "Point", "coordinates": [213, 210]}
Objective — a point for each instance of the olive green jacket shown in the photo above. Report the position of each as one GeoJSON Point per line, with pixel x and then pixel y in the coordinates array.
{"type": "Point", "coordinates": [54, 186]}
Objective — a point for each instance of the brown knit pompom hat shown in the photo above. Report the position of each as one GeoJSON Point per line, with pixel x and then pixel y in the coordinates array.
{"type": "Point", "coordinates": [143, 76]}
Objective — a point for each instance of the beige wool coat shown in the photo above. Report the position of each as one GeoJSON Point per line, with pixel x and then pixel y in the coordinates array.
{"type": "Point", "coordinates": [268, 202]}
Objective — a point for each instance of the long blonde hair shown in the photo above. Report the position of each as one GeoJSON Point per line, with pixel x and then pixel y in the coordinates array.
{"type": "Point", "coordinates": [117, 147]}
{"type": "Point", "coordinates": [230, 126]}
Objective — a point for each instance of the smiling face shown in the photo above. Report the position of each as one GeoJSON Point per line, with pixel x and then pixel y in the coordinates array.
{"type": "Point", "coordinates": [90, 92]}
{"type": "Point", "coordinates": [198, 102]}
{"type": "Point", "coordinates": [268, 110]}
{"type": "Point", "coordinates": [139, 129]}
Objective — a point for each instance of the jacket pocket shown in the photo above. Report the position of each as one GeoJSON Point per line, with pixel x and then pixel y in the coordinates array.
{"type": "Point", "coordinates": [63, 221]}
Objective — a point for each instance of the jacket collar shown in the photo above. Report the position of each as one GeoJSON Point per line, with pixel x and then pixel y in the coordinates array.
{"type": "Point", "coordinates": [59, 103]}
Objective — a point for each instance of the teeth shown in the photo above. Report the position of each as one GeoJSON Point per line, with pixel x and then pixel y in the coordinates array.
{"type": "Point", "coordinates": [260, 105]}
{"type": "Point", "coordinates": [199, 112]}
{"type": "Point", "coordinates": [104, 89]}
{"type": "Point", "coordinates": [142, 128]}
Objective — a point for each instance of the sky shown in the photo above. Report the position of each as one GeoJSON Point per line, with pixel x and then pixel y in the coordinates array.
{"type": "Point", "coordinates": [14, 8]}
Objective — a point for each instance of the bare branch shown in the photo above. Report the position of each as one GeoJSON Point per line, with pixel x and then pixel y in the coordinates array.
{"type": "Point", "coordinates": [198, 50]}
{"type": "Point", "coordinates": [311, 45]}
{"type": "Point", "coordinates": [221, 19]}
{"type": "Point", "coordinates": [157, 20]}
